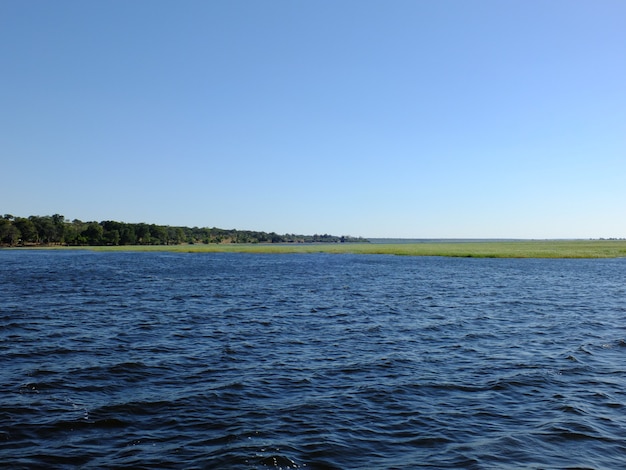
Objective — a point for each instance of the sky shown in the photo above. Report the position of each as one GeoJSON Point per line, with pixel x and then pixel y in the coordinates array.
{"type": "Point", "coordinates": [402, 118]}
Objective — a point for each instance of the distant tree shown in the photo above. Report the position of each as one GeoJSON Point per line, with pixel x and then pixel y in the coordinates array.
{"type": "Point", "coordinates": [13, 236]}
{"type": "Point", "coordinates": [111, 225]}
{"type": "Point", "coordinates": [56, 229]}
{"type": "Point", "coordinates": [27, 229]}
{"type": "Point", "coordinates": [111, 237]}
{"type": "Point", "coordinates": [45, 228]}
{"type": "Point", "coordinates": [127, 235]}
{"type": "Point", "coordinates": [111, 232]}
{"type": "Point", "coordinates": [4, 225]}
{"type": "Point", "coordinates": [158, 235]}
{"type": "Point", "coordinates": [143, 234]}
{"type": "Point", "coordinates": [71, 233]}
{"type": "Point", "coordinates": [58, 221]}
{"type": "Point", "coordinates": [175, 235]}
{"type": "Point", "coordinates": [9, 234]}
{"type": "Point", "coordinates": [93, 233]}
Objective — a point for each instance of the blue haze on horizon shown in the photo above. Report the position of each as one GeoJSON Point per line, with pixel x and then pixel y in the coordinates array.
{"type": "Point", "coordinates": [409, 118]}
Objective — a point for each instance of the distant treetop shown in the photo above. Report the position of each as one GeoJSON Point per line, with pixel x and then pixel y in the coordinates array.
{"type": "Point", "coordinates": [56, 230]}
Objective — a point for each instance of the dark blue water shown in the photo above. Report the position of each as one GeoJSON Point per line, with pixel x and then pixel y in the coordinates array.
{"type": "Point", "coordinates": [146, 360]}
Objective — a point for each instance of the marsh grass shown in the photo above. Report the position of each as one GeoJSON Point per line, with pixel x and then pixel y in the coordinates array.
{"type": "Point", "coordinates": [478, 249]}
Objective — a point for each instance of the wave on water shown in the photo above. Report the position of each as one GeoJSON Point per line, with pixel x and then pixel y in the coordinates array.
{"type": "Point", "coordinates": [147, 360]}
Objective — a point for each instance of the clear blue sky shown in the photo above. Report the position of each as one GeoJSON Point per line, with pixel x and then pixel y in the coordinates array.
{"type": "Point", "coordinates": [440, 118]}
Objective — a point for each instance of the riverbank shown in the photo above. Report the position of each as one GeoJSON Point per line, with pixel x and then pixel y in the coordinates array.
{"type": "Point", "coordinates": [468, 249]}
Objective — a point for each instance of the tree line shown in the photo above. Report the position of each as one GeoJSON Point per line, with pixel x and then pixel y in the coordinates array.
{"type": "Point", "coordinates": [57, 230]}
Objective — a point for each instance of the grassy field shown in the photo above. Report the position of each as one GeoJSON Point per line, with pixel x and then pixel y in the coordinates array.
{"type": "Point", "coordinates": [482, 249]}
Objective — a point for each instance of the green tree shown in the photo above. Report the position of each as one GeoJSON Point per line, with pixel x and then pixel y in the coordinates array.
{"type": "Point", "coordinates": [111, 232]}
{"type": "Point", "coordinates": [27, 229]}
{"type": "Point", "coordinates": [127, 235]}
{"type": "Point", "coordinates": [93, 233]}
{"type": "Point", "coordinates": [71, 233]}
{"type": "Point", "coordinates": [175, 235]}
{"type": "Point", "coordinates": [9, 233]}
{"type": "Point", "coordinates": [58, 221]}
{"type": "Point", "coordinates": [44, 227]}
{"type": "Point", "coordinates": [111, 237]}
{"type": "Point", "coordinates": [143, 234]}
{"type": "Point", "coordinates": [158, 234]}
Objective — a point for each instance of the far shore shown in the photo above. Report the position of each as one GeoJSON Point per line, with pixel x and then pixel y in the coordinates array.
{"type": "Point", "coordinates": [466, 249]}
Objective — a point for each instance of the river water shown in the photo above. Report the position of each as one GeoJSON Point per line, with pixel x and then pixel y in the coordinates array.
{"type": "Point", "coordinates": [315, 361]}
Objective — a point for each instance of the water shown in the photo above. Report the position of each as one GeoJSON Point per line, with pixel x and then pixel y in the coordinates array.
{"type": "Point", "coordinates": [158, 360]}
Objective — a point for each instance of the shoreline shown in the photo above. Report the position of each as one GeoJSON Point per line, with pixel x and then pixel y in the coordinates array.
{"type": "Point", "coordinates": [557, 249]}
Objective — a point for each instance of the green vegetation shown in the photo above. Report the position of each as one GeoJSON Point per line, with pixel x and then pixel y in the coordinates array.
{"type": "Point", "coordinates": [56, 230]}
{"type": "Point", "coordinates": [487, 249]}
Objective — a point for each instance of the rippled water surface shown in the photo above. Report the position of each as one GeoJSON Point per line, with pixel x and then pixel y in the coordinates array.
{"type": "Point", "coordinates": [157, 360]}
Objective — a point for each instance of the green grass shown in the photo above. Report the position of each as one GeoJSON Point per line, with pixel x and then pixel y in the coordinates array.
{"type": "Point", "coordinates": [482, 249]}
